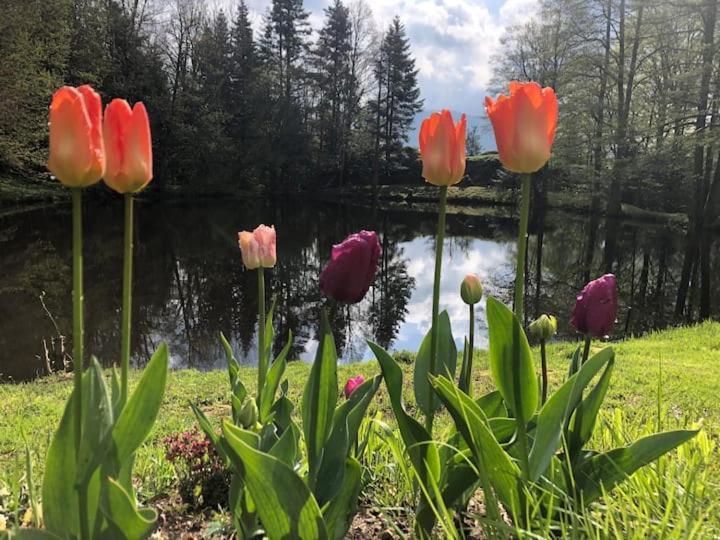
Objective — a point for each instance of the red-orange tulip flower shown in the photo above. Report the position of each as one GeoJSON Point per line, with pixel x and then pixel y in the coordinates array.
{"type": "Point", "coordinates": [77, 154]}
{"type": "Point", "coordinates": [524, 125]}
{"type": "Point", "coordinates": [442, 148]}
{"type": "Point", "coordinates": [128, 146]}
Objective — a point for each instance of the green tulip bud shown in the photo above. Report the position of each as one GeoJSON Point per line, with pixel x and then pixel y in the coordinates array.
{"type": "Point", "coordinates": [248, 415]}
{"type": "Point", "coordinates": [471, 289]}
{"type": "Point", "coordinates": [544, 327]}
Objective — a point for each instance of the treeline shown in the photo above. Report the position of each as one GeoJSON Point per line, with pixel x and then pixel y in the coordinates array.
{"type": "Point", "coordinates": [288, 108]}
{"type": "Point", "coordinates": [639, 87]}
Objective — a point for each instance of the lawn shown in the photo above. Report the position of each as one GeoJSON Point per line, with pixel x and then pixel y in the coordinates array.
{"type": "Point", "coordinates": [663, 380]}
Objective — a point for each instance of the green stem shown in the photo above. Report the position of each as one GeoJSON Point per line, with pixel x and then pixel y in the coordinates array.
{"type": "Point", "coordinates": [586, 350]}
{"type": "Point", "coordinates": [78, 346]}
{"type": "Point", "coordinates": [439, 239]}
{"type": "Point", "coordinates": [519, 299]}
{"type": "Point", "coordinates": [543, 361]}
{"type": "Point", "coordinates": [262, 360]}
{"type": "Point", "coordinates": [471, 349]}
{"type": "Point", "coordinates": [127, 299]}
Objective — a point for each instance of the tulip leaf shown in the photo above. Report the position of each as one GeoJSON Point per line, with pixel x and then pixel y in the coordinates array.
{"type": "Point", "coordinates": [511, 362]}
{"type": "Point", "coordinates": [491, 460]}
{"type": "Point", "coordinates": [286, 447]}
{"type": "Point", "coordinates": [232, 363]}
{"type": "Point", "coordinates": [587, 412]}
{"type": "Point", "coordinates": [125, 518]}
{"type": "Point", "coordinates": [601, 472]}
{"type": "Point", "coordinates": [274, 375]}
{"type": "Point", "coordinates": [418, 443]}
{"type": "Point", "coordinates": [319, 398]}
{"type": "Point", "coordinates": [138, 416]}
{"type": "Point", "coordinates": [33, 534]}
{"type": "Point", "coordinates": [338, 512]}
{"type": "Point", "coordinates": [346, 423]}
{"type": "Point", "coordinates": [445, 365]}
{"type": "Point", "coordinates": [464, 382]}
{"type": "Point", "coordinates": [58, 488]}
{"type": "Point", "coordinates": [283, 501]}
{"type": "Point", "coordinates": [97, 425]}
{"type": "Point", "coordinates": [492, 405]}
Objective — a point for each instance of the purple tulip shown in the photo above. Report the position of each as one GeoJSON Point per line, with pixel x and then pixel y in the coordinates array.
{"type": "Point", "coordinates": [352, 384]}
{"type": "Point", "coordinates": [596, 307]}
{"type": "Point", "coordinates": [351, 270]}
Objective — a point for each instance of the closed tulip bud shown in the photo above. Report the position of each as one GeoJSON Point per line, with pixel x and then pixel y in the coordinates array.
{"type": "Point", "coordinates": [544, 327]}
{"type": "Point", "coordinates": [77, 150]}
{"type": "Point", "coordinates": [128, 146]}
{"type": "Point", "coordinates": [351, 270]}
{"type": "Point", "coordinates": [471, 289]}
{"type": "Point", "coordinates": [248, 415]}
{"type": "Point", "coordinates": [352, 384]}
{"type": "Point", "coordinates": [596, 307]}
{"type": "Point", "coordinates": [442, 148]}
{"type": "Point", "coordinates": [524, 124]}
{"type": "Point", "coordinates": [258, 248]}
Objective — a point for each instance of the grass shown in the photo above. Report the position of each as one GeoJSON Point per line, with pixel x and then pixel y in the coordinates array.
{"type": "Point", "coordinates": [664, 380]}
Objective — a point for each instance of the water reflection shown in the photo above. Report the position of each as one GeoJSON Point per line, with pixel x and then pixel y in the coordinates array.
{"type": "Point", "coordinates": [190, 285]}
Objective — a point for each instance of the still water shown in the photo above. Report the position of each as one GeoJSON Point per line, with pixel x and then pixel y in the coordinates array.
{"type": "Point", "coordinates": [190, 284]}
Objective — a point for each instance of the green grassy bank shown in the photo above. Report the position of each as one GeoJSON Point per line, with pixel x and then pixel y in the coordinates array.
{"type": "Point", "coordinates": [669, 378]}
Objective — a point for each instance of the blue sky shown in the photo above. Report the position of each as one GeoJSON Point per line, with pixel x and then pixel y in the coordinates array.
{"type": "Point", "coordinates": [453, 41]}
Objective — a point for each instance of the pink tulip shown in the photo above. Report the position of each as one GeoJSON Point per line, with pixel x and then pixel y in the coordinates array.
{"type": "Point", "coordinates": [596, 307]}
{"type": "Point", "coordinates": [352, 384]}
{"type": "Point", "coordinates": [258, 248]}
{"type": "Point", "coordinates": [351, 270]}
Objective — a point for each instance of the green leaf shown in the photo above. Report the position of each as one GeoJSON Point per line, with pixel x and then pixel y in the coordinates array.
{"type": "Point", "coordinates": [587, 412]}
{"type": "Point", "coordinates": [120, 510]}
{"type": "Point", "coordinates": [445, 364]}
{"type": "Point", "coordinates": [232, 363]}
{"type": "Point", "coordinates": [269, 329]}
{"type": "Point", "coordinates": [418, 443]}
{"type": "Point", "coordinates": [286, 447]}
{"type": "Point", "coordinates": [464, 382]}
{"type": "Point", "coordinates": [319, 398]}
{"type": "Point", "coordinates": [492, 405]}
{"type": "Point", "coordinates": [338, 512]}
{"type": "Point", "coordinates": [557, 411]}
{"type": "Point", "coordinates": [605, 471]}
{"type": "Point", "coordinates": [490, 459]}
{"type": "Point", "coordinates": [58, 488]}
{"type": "Point", "coordinates": [283, 501]}
{"type": "Point", "coordinates": [97, 422]}
{"type": "Point", "coordinates": [32, 534]}
{"type": "Point", "coordinates": [346, 423]}
{"type": "Point", "coordinates": [274, 375]}
{"type": "Point", "coordinates": [205, 424]}
{"type": "Point", "coordinates": [511, 363]}
{"type": "Point", "coordinates": [138, 416]}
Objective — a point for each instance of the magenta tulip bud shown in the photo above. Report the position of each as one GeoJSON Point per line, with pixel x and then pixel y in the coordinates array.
{"type": "Point", "coordinates": [596, 307]}
{"type": "Point", "coordinates": [351, 270]}
{"type": "Point", "coordinates": [352, 384]}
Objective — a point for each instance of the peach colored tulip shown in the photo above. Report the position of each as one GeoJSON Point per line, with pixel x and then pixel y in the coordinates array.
{"type": "Point", "coordinates": [258, 247]}
{"type": "Point", "coordinates": [524, 125]}
{"type": "Point", "coordinates": [128, 146]}
{"type": "Point", "coordinates": [77, 153]}
{"type": "Point", "coordinates": [442, 148]}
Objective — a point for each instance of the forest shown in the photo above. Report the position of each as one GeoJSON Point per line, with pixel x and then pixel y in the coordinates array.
{"type": "Point", "coordinates": [231, 108]}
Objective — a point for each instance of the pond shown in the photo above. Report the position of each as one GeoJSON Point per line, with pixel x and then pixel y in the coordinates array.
{"type": "Point", "coordinates": [190, 284]}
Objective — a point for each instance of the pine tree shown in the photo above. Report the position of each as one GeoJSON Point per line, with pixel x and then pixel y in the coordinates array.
{"type": "Point", "coordinates": [398, 96]}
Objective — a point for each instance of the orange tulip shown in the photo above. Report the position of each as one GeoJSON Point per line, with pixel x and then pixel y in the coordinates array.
{"type": "Point", "coordinates": [258, 247]}
{"type": "Point", "coordinates": [129, 146]}
{"type": "Point", "coordinates": [77, 153]}
{"type": "Point", "coordinates": [442, 148]}
{"type": "Point", "coordinates": [524, 125]}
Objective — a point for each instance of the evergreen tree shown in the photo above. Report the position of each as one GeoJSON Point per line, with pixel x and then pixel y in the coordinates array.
{"type": "Point", "coordinates": [398, 96]}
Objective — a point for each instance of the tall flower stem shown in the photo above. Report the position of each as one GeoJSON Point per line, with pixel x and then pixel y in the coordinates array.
{"type": "Point", "coordinates": [519, 299]}
{"type": "Point", "coordinates": [543, 363]}
{"type": "Point", "coordinates": [471, 349]}
{"type": "Point", "coordinates": [78, 337]}
{"type": "Point", "coordinates": [126, 299]}
{"type": "Point", "coordinates": [586, 349]}
{"type": "Point", "coordinates": [262, 360]}
{"type": "Point", "coordinates": [78, 332]}
{"type": "Point", "coordinates": [439, 239]}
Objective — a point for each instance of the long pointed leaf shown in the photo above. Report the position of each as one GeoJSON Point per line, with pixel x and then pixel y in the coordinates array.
{"type": "Point", "coordinates": [446, 364]}
{"type": "Point", "coordinates": [274, 375]}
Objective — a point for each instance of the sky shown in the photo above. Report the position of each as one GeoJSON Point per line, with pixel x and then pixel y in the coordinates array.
{"type": "Point", "coordinates": [453, 41]}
